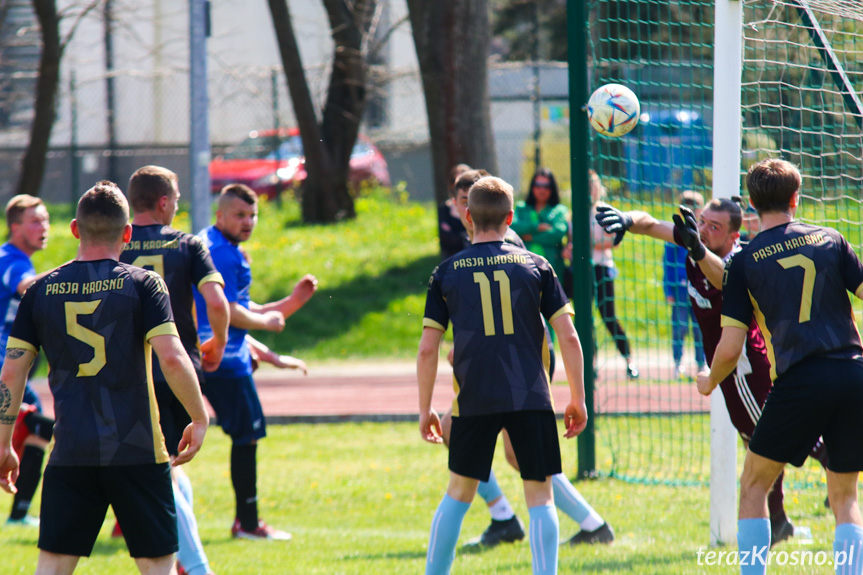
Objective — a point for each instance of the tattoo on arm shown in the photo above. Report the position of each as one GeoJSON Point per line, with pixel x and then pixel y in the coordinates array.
{"type": "Point", "coordinates": [5, 403]}
{"type": "Point", "coordinates": [15, 352]}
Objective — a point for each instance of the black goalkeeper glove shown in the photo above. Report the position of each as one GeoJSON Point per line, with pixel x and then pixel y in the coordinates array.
{"type": "Point", "coordinates": [613, 221]}
{"type": "Point", "coordinates": [688, 230]}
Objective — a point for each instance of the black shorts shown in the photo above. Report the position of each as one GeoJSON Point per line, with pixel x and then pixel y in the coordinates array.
{"type": "Point", "coordinates": [75, 500]}
{"type": "Point", "coordinates": [237, 406]}
{"type": "Point", "coordinates": [173, 418]}
{"type": "Point", "coordinates": [534, 440]}
{"type": "Point", "coordinates": [817, 397]}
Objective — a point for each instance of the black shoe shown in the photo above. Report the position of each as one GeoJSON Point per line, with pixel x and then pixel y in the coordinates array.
{"type": "Point", "coordinates": [602, 534]}
{"type": "Point", "coordinates": [507, 531]}
{"type": "Point", "coordinates": [780, 531]}
{"type": "Point", "coordinates": [631, 371]}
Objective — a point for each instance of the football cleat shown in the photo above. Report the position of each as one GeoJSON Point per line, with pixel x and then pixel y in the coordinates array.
{"type": "Point", "coordinates": [780, 531]}
{"type": "Point", "coordinates": [26, 521]}
{"type": "Point", "coordinates": [506, 531]}
{"type": "Point", "coordinates": [261, 532]}
{"type": "Point", "coordinates": [602, 534]}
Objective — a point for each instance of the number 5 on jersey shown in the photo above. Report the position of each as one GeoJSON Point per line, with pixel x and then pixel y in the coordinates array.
{"type": "Point", "coordinates": [487, 307]}
{"type": "Point", "coordinates": [88, 336]}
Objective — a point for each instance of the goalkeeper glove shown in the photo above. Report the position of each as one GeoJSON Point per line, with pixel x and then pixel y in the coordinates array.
{"type": "Point", "coordinates": [613, 221]}
{"type": "Point", "coordinates": [688, 230]}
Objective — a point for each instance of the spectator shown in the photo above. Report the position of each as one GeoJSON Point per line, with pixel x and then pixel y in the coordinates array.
{"type": "Point", "coordinates": [604, 272]}
{"type": "Point", "coordinates": [676, 288]}
{"type": "Point", "coordinates": [541, 220]}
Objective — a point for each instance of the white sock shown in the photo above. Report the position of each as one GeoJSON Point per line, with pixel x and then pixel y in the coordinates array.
{"type": "Point", "coordinates": [501, 511]}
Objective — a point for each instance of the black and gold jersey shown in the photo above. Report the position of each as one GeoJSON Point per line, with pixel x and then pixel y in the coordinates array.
{"type": "Point", "coordinates": [494, 293]}
{"type": "Point", "coordinates": [183, 261]}
{"type": "Point", "coordinates": [794, 279]}
{"type": "Point", "coordinates": [94, 320]}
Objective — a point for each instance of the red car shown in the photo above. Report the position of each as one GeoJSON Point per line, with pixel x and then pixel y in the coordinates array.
{"type": "Point", "coordinates": [270, 161]}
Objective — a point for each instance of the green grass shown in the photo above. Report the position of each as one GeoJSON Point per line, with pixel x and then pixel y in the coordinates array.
{"type": "Point", "coordinates": [359, 499]}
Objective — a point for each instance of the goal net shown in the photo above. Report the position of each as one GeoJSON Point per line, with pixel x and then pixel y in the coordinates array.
{"type": "Point", "coordinates": [802, 73]}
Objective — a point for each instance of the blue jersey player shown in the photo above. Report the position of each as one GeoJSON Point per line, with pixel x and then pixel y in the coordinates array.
{"type": "Point", "coordinates": [28, 223]}
{"type": "Point", "coordinates": [230, 389]}
{"type": "Point", "coordinates": [493, 294]}
{"type": "Point", "coordinates": [794, 279]}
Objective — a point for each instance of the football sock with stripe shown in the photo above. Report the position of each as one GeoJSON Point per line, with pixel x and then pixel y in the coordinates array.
{"type": "Point", "coordinates": [244, 477]}
{"type": "Point", "coordinates": [753, 545]}
{"type": "Point", "coordinates": [446, 526]}
{"type": "Point", "coordinates": [848, 549]}
{"type": "Point", "coordinates": [569, 500]}
{"type": "Point", "coordinates": [28, 480]}
{"type": "Point", "coordinates": [544, 532]}
{"type": "Point", "coordinates": [191, 554]}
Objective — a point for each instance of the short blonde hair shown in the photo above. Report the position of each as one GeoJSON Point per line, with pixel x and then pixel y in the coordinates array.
{"type": "Point", "coordinates": [490, 202]}
{"type": "Point", "coordinates": [16, 207]}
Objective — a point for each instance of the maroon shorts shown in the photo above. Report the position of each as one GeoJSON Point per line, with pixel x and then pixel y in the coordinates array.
{"type": "Point", "coordinates": [745, 396]}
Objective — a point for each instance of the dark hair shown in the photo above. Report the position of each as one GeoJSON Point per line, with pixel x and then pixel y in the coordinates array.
{"type": "Point", "coordinates": [102, 213]}
{"type": "Point", "coordinates": [148, 184]}
{"type": "Point", "coordinates": [771, 184]}
{"type": "Point", "coordinates": [730, 207]}
{"type": "Point", "coordinates": [554, 199]}
{"type": "Point", "coordinates": [454, 174]}
{"type": "Point", "coordinates": [467, 179]}
{"type": "Point", "coordinates": [241, 191]}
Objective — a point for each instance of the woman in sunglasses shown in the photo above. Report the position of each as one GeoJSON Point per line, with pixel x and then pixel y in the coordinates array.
{"type": "Point", "coordinates": [542, 221]}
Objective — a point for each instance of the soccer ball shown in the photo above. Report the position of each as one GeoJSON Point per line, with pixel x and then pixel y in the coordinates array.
{"type": "Point", "coordinates": [613, 110]}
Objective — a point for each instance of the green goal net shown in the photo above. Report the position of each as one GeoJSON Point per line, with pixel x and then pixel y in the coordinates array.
{"type": "Point", "coordinates": [802, 68]}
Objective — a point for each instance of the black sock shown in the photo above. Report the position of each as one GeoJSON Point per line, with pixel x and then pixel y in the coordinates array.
{"type": "Point", "coordinates": [244, 477]}
{"type": "Point", "coordinates": [28, 480]}
{"type": "Point", "coordinates": [775, 502]}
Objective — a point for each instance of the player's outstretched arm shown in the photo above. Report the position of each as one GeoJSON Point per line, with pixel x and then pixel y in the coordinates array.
{"type": "Point", "coordinates": [724, 360]}
{"type": "Point", "coordinates": [13, 378]}
{"type": "Point", "coordinates": [262, 353]}
{"type": "Point", "coordinates": [427, 360]}
{"type": "Point", "coordinates": [303, 292]}
{"type": "Point", "coordinates": [219, 315]}
{"type": "Point", "coordinates": [243, 318]}
{"type": "Point", "coordinates": [614, 221]}
{"type": "Point", "coordinates": [575, 417]}
{"type": "Point", "coordinates": [181, 378]}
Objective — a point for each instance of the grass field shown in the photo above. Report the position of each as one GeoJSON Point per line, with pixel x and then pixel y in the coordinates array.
{"type": "Point", "coordinates": [359, 499]}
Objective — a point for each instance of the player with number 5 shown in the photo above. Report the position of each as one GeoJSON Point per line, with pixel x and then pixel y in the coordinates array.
{"type": "Point", "coordinates": [493, 293]}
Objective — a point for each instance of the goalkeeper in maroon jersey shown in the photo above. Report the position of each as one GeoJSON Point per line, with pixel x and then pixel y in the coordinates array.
{"type": "Point", "coordinates": [712, 237]}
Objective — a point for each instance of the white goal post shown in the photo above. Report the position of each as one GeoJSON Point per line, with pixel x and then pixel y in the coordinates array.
{"type": "Point", "coordinates": [727, 133]}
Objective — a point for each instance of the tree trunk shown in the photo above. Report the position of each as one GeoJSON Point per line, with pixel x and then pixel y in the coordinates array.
{"type": "Point", "coordinates": [33, 163]}
{"type": "Point", "coordinates": [452, 44]}
{"type": "Point", "coordinates": [346, 97]}
{"type": "Point", "coordinates": [327, 147]}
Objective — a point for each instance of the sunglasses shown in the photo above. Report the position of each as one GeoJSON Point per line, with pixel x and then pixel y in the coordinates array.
{"type": "Point", "coordinates": [542, 184]}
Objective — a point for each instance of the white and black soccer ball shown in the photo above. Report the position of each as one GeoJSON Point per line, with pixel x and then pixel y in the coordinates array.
{"type": "Point", "coordinates": [613, 110]}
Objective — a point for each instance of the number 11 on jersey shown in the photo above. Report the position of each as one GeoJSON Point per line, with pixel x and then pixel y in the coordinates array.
{"type": "Point", "coordinates": [505, 301]}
